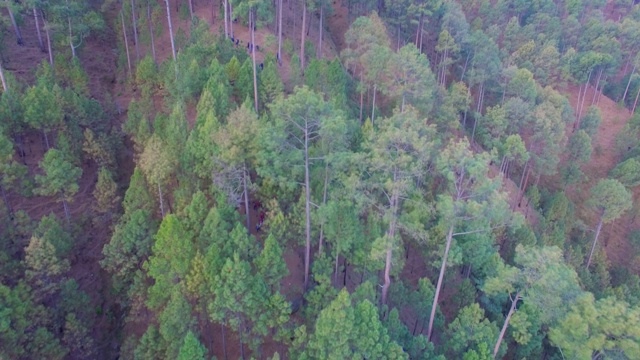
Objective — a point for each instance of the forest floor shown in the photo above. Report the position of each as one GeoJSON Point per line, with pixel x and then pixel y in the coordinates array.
{"type": "Point", "coordinates": [605, 156]}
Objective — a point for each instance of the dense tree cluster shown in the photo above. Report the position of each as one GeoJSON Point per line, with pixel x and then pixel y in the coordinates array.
{"type": "Point", "coordinates": [413, 197]}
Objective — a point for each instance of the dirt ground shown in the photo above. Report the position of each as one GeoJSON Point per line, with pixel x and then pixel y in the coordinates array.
{"type": "Point", "coordinates": [614, 235]}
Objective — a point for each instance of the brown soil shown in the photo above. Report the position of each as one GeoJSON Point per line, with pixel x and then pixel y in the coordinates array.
{"type": "Point", "coordinates": [614, 236]}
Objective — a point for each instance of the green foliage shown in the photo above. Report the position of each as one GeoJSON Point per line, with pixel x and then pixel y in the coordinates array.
{"type": "Point", "coordinates": [129, 246]}
{"type": "Point", "coordinates": [610, 198]}
{"type": "Point", "coordinates": [170, 260]}
{"type": "Point", "coordinates": [137, 196]}
{"type": "Point", "coordinates": [192, 349]}
{"type": "Point", "coordinates": [44, 269]}
{"type": "Point", "coordinates": [270, 263]}
{"type": "Point", "coordinates": [61, 177]}
{"type": "Point", "coordinates": [106, 194]}
{"type": "Point", "coordinates": [271, 85]}
{"type": "Point", "coordinates": [469, 330]}
{"type": "Point", "coordinates": [627, 172]}
{"type": "Point", "coordinates": [175, 322]}
{"type": "Point", "coordinates": [345, 332]}
{"type": "Point", "coordinates": [607, 328]}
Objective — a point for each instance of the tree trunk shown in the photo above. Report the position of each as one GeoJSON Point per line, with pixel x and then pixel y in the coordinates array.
{"type": "Point", "coordinates": [361, 99]}
{"type": "Point", "coordinates": [595, 239]}
{"type": "Point", "coordinates": [595, 92]}
{"type": "Point", "coordinates": [46, 30]}
{"type": "Point", "coordinates": [418, 31]}
{"type": "Point", "coordinates": [126, 43]}
{"type": "Point", "coordinates": [153, 42]}
{"type": "Point", "coordinates": [439, 285]}
{"type": "Point", "coordinates": [191, 9]}
{"type": "Point", "coordinates": [324, 202]}
{"type": "Point", "coordinates": [252, 24]}
{"type": "Point", "coordinates": [391, 233]}
{"type": "Point", "coordinates": [134, 24]}
{"type": "Point", "coordinates": [583, 97]}
{"type": "Point", "coordinates": [337, 261]}
{"type": "Point", "coordinates": [2, 78]}
{"type": "Point", "coordinates": [307, 203]}
{"type": "Point", "coordinates": [302, 34]}
{"type": "Point", "coordinates": [40, 42]}
{"type": "Point", "coordinates": [464, 69]}
{"type": "Point", "coordinates": [524, 187]}
{"type": "Point", "coordinates": [230, 18]}
{"type": "Point", "coordinates": [246, 197]}
{"type": "Point", "coordinates": [161, 202]}
{"type": "Point", "coordinates": [373, 108]}
{"type": "Point", "coordinates": [224, 341]}
{"type": "Point", "coordinates": [626, 90]}
{"type": "Point", "coordinates": [73, 48]}
{"type": "Point", "coordinates": [16, 28]}
{"type": "Point", "coordinates": [635, 103]}
{"type": "Point", "coordinates": [280, 32]}
{"type": "Point", "coordinates": [226, 19]}
{"type": "Point", "coordinates": [66, 211]}
{"type": "Point", "coordinates": [46, 139]}
{"type": "Point", "coordinates": [514, 302]}
{"type": "Point", "coordinates": [320, 31]}
{"type": "Point", "coordinates": [173, 45]}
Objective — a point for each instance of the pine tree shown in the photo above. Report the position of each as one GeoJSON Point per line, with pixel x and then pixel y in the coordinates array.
{"type": "Point", "coordinates": [192, 349]}
{"type": "Point", "coordinates": [60, 179]}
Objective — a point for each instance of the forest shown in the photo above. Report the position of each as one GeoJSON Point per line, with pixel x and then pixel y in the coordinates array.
{"type": "Point", "coordinates": [313, 179]}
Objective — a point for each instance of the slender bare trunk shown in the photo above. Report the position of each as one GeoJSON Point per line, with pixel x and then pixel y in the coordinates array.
{"type": "Point", "coordinates": [635, 103]}
{"type": "Point", "coordinates": [324, 202]}
{"type": "Point", "coordinates": [391, 233]}
{"type": "Point", "coordinates": [595, 240]}
{"type": "Point", "coordinates": [361, 99]}
{"type": "Point", "coordinates": [46, 30]}
{"type": "Point", "coordinates": [226, 18]}
{"type": "Point", "coordinates": [252, 24]}
{"type": "Point", "coordinates": [583, 97]}
{"type": "Point", "coordinates": [464, 69]}
{"type": "Point", "coordinates": [191, 9]}
{"type": "Point", "coordinates": [373, 108]}
{"type": "Point", "coordinates": [224, 341]}
{"type": "Point", "coordinates": [595, 92]}
{"type": "Point", "coordinates": [626, 90]}
{"type": "Point", "coordinates": [73, 48]}
{"type": "Point", "coordinates": [246, 197]}
{"type": "Point", "coordinates": [36, 17]}
{"type": "Point", "coordinates": [320, 31]}
{"type": "Point", "coordinates": [66, 211]}
{"type": "Point", "coordinates": [443, 267]}
{"type": "Point", "coordinates": [126, 43]}
{"type": "Point", "coordinates": [16, 28]}
{"type": "Point", "coordinates": [134, 24]}
{"type": "Point", "coordinates": [46, 139]}
{"type": "Point", "coordinates": [514, 302]}
{"type": "Point", "coordinates": [524, 187]}
{"type": "Point", "coordinates": [280, 31]}
{"type": "Point", "coordinates": [161, 201]}
{"type": "Point", "coordinates": [302, 34]}
{"type": "Point", "coordinates": [173, 45]}
{"type": "Point", "coordinates": [230, 18]}
{"type": "Point", "coordinates": [307, 194]}
{"type": "Point", "coordinates": [2, 78]}
{"type": "Point", "coordinates": [153, 42]}
{"type": "Point", "coordinates": [418, 31]}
